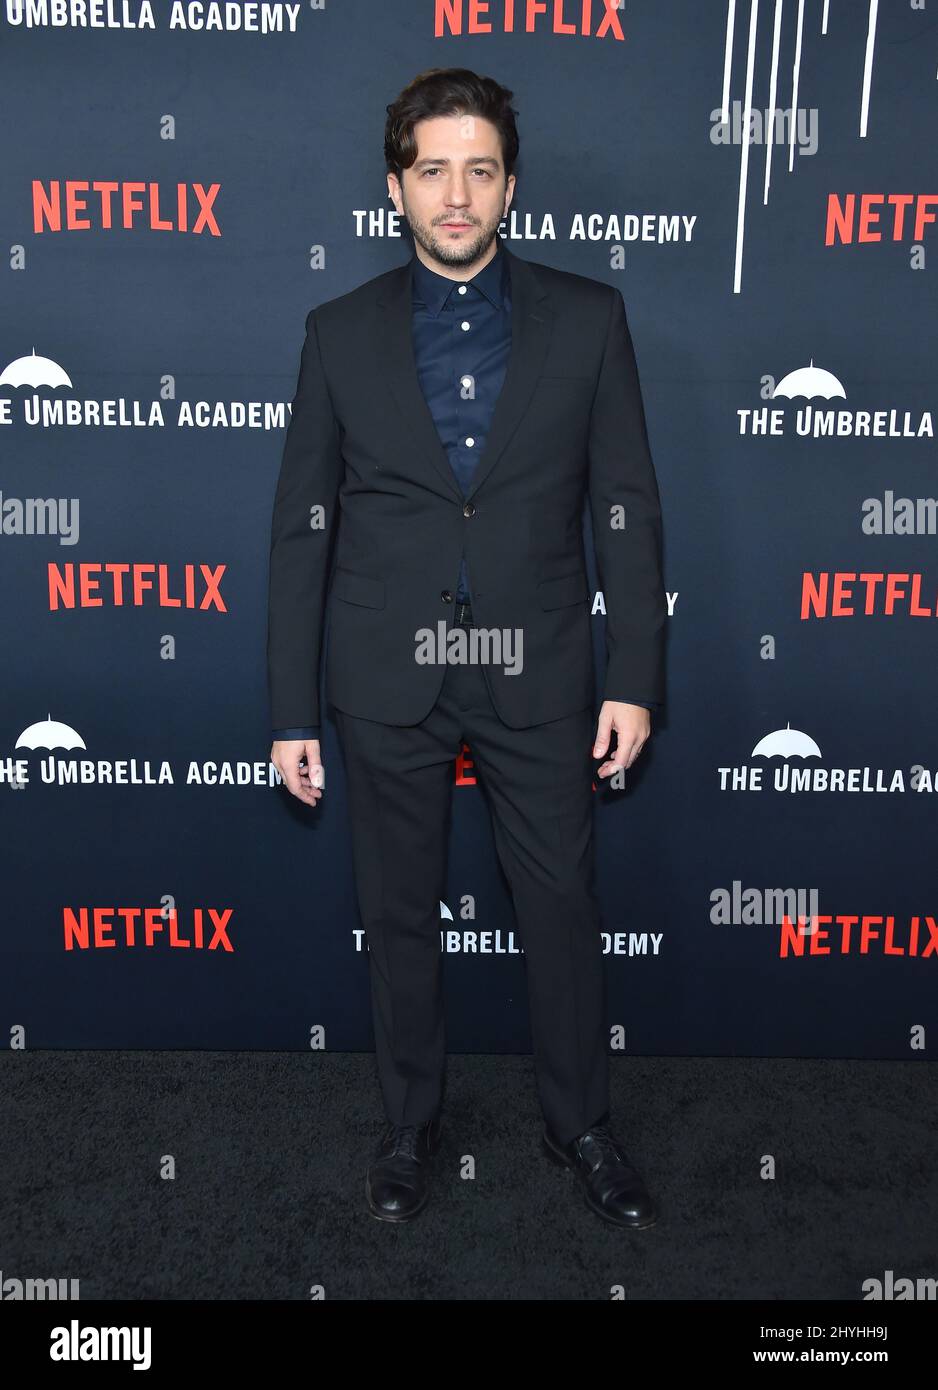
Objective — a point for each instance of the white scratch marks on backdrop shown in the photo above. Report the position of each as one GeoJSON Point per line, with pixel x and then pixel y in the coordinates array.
{"type": "Point", "coordinates": [744, 149]}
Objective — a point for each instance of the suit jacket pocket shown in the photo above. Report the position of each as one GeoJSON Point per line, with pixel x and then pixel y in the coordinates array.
{"type": "Point", "coordinates": [565, 590]}
{"type": "Point", "coordinates": [352, 587]}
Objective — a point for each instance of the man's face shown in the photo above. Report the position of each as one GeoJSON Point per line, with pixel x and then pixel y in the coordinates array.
{"type": "Point", "coordinates": [455, 193]}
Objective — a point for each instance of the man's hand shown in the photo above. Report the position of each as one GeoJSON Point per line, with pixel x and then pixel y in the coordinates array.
{"type": "Point", "coordinates": [299, 764]}
{"type": "Point", "coordinates": [632, 725]}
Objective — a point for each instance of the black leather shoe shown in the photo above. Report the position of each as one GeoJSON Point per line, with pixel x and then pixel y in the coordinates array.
{"type": "Point", "coordinates": [396, 1182]}
{"type": "Point", "coordinates": [612, 1187]}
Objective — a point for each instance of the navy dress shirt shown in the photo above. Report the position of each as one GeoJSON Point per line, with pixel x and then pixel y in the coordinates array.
{"type": "Point", "coordinates": [462, 338]}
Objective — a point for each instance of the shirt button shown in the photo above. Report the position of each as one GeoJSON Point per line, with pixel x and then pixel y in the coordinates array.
{"type": "Point", "coordinates": [468, 509]}
{"type": "Point", "coordinates": [465, 325]}
{"type": "Point", "coordinates": [469, 442]}
{"type": "Point", "coordinates": [446, 596]}
{"type": "Point", "coordinates": [462, 289]}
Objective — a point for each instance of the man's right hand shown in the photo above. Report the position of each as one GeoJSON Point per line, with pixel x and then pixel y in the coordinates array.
{"type": "Point", "coordinates": [305, 779]}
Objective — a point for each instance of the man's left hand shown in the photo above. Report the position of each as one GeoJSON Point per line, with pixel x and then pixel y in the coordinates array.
{"type": "Point", "coordinates": [632, 725]}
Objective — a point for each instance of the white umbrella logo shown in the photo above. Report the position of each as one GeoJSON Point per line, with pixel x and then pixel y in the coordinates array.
{"type": "Point", "coordinates": [786, 743]}
{"type": "Point", "coordinates": [810, 382]}
{"type": "Point", "coordinates": [34, 371]}
{"type": "Point", "coordinates": [49, 733]}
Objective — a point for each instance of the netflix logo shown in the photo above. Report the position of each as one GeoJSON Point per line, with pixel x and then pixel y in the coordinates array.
{"type": "Point", "coordinates": [847, 594]}
{"type": "Point", "coordinates": [598, 19]}
{"type": "Point", "coordinates": [844, 934]}
{"type": "Point", "coordinates": [96, 928]}
{"type": "Point", "coordinates": [857, 217]}
{"type": "Point", "coordinates": [75, 205]}
{"type": "Point", "coordinates": [77, 586]}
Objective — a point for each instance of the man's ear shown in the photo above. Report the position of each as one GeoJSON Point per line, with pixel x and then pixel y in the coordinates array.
{"type": "Point", "coordinates": [394, 190]}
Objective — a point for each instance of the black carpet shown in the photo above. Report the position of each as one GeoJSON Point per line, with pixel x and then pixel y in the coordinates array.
{"type": "Point", "coordinates": [270, 1151]}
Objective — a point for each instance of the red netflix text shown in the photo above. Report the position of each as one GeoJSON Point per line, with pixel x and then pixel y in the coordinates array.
{"type": "Point", "coordinates": [95, 927]}
{"type": "Point", "coordinates": [77, 586]}
{"type": "Point", "coordinates": [75, 205]}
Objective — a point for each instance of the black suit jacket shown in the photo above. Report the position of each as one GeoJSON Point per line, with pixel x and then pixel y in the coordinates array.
{"type": "Point", "coordinates": [367, 510]}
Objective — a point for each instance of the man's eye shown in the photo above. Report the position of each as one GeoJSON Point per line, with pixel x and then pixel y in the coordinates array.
{"type": "Point", "coordinates": [486, 172]}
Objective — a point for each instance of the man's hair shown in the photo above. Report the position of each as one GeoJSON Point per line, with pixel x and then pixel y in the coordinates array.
{"type": "Point", "coordinates": [447, 92]}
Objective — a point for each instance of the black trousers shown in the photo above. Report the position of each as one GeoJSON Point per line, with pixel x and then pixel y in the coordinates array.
{"type": "Point", "coordinates": [538, 785]}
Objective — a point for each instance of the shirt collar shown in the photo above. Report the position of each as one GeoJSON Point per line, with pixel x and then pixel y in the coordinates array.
{"type": "Point", "coordinates": [433, 289]}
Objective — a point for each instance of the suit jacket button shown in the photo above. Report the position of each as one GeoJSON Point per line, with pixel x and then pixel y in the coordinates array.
{"type": "Point", "coordinates": [446, 596]}
{"type": "Point", "coordinates": [468, 509]}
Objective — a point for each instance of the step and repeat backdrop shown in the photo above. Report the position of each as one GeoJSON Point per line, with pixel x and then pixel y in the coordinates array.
{"type": "Point", "coordinates": [181, 183]}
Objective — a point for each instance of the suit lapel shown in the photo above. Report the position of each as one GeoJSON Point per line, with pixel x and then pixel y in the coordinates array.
{"type": "Point", "coordinates": [531, 322]}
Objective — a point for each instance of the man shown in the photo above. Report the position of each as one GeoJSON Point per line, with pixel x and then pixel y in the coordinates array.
{"type": "Point", "coordinates": [450, 418]}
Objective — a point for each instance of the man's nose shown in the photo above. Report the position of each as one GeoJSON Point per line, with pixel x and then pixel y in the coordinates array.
{"type": "Point", "coordinates": [457, 194]}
